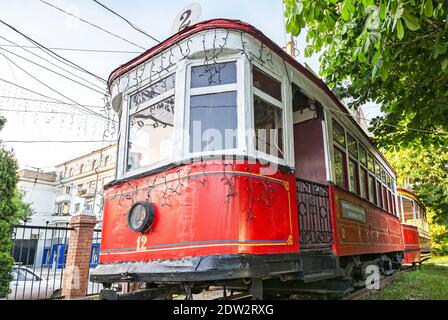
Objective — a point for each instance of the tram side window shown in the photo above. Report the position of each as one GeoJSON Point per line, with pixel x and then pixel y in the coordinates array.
{"type": "Point", "coordinates": [372, 188]}
{"type": "Point", "coordinates": [363, 173]}
{"type": "Point", "coordinates": [340, 166]}
{"type": "Point", "coordinates": [353, 176]}
{"type": "Point", "coordinates": [213, 107]}
{"type": "Point", "coordinates": [151, 124]}
{"type": "Point", "coordinates": [268, 114]}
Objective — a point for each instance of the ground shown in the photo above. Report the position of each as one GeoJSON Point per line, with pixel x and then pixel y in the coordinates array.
{"type": "Point", "coordinates": [428, 282]}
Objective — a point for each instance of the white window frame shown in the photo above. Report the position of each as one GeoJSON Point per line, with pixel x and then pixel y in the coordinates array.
{"type": "Point", "coordinates": [238, 87]}
{"type": "Point", "coordinates": [286, 101]}
{"type": "Point", "coordinates": [125, 123]}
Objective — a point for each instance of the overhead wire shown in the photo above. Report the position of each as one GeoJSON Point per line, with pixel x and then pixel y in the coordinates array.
{"type": "Point", "coordinates": [92, 24]}
{"type": "Point", "coordinates": [129, 22]}
{"type": "Point", "coordinates": [55, 72]}
{"type": "Point", "coordinates": [48, 61]}
{"type": "Point", "coordinates": [52, 53]}
{"type": "Point", "coordinates": [74, 49]}
{"type": "Point", "coordinates": [75, 105]}
{"type": "Point", "coordinates": [46, 101]}
{"type": "Point", "coordinates": [57, 92]}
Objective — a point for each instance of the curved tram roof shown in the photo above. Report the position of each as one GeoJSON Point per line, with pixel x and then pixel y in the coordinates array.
{"type": "Point", "coordinates": [254, 32]}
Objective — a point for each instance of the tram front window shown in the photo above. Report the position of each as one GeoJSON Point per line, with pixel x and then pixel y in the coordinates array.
{"type": "Point", "coordinates": [213, 107]}
{"type": "Point", "coordinates": [268, 114]}
{"type": "Point", "coordinates": [151, 124]}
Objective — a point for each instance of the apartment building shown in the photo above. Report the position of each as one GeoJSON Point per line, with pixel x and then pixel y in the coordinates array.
{"type": "Point", "coordinates": [80, 182]}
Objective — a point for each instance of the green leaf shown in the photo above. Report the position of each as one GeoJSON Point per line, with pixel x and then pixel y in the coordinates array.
{"type": "Point", "coordinates": [400, 30]}
{"type": "Point", "coordinates": [399, 12]}
{"type": "Point", "coordinates": [411, 22]}
{"type": "Point", "coordinates": [429, 8]}
{"type": "Point", "coordinates": [376, 57]}
{"type": "Point", "coordinates": [383, 9]}
{"type": "Point", "coordinates": [444, 64]}
{"type": "Point", "coordinates": [439, 48]}
{"type": "Point", "coordinates": [384, 74]}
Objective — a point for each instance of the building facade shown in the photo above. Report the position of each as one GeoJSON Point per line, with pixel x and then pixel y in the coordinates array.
{"type": "Point", "coordinates": [80, 182]}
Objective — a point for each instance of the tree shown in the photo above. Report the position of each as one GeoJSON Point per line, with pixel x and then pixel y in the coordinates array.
{"type": "Point", "coordinates": [393, 52]}
{"type": "Point", "coordinates": [12, 210]}
{"type": "Point", "coordinates": [427, 170]}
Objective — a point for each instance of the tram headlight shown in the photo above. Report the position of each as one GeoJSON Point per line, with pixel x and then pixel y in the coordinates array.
{"type": "Point", "coordinates": [141, 216]}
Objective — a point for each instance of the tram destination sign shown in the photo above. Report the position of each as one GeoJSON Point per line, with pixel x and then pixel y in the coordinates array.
{"type": "Point", "coordinates": [352, 211]}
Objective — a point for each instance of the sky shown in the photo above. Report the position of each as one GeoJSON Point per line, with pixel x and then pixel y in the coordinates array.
{"type": "Point", "coordinates": [55, 29]}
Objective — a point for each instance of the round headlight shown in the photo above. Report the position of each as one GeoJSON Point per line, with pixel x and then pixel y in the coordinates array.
{"type": "Point", "coordinates": [141, 216]}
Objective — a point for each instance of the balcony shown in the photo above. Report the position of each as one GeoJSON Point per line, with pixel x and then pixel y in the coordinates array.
{"type": "Point", "coordinates": [63, 197]}
{"type": "Point", "coordinates": [86, 192]}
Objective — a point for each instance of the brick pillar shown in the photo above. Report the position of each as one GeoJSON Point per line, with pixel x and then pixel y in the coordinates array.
{"type": "Point", "coordinates": [78, 256]}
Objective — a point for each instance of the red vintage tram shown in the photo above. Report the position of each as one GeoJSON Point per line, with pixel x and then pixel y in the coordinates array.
{"type": "Point", "coordinates": [282, 184]}
{"type": "Point", "coordinates": [415, 228]}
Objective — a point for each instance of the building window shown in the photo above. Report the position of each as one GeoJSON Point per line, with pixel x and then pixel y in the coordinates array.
{"type": "Point", "coordinates": [63, 208]}
{"type": "Point", "coordinates": [68, 190]}
{"type": "Point", "coordinates": [94, 165]}
{"type": "Point", "coordinates": [89, 205]}
{"type": "Point", "coordinates": [70, 172]}
{"type": "Point", "coordinates": [213, 107]}
{"type": "Point", "coordinates": [76, 207]}
{"type": "Point", "coordinates": [268, 114]}
{"type": "Point", "coordinates": [81, 169]}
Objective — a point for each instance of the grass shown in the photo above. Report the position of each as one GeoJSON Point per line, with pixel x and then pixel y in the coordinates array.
{"type": "Point", "coordinates": [439, 260]}
{"type": "Point", "coordinates": [428, 282]}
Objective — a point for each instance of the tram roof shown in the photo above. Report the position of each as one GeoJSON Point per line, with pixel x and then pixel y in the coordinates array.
{"type": "Point", "coordinates": [240, 26]}
{"type": "Point", "coordinates": [411, 195]}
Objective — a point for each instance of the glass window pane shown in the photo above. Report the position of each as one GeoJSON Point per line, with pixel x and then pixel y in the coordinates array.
{"type": "Point", "coordinates": [151, 134]}
{"type": "Point", "coordinates": [363, 155]}
{"type": "Point", "coordinates": [267, 84]}
{"type": "Point", "coordinates": [379, 197]}
{"type": "Point", "coordinates": [213, 75]}
{"type": "Point", "coordinates": [371, 163]}
{"type": "Point", "coordinates": [363, 183]}
{"type": "Point", "coordinates": [383, 175]}
{"type": "Point", "coordinates": [372, 188]}
{"type": "Point", "coordinates": [352, 146]}
{"type": "Point", "coordinates": [377, 170]}
{"type": "Point", "coordinates": [353, 176]}
{"type": "Point", "coordinates": [268, 128]}
{"type": "Point", "coordinates": [338, 133]}
{"type": "Point", "coordinates": [152, 91]}
{"type": "Point", "coordinates": [340, 168]}
{"type": "Point", "coordinates": [213, 122]}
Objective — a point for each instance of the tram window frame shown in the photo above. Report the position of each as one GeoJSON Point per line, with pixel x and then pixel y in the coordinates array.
{"type": "Point", "coordinates": [280, 105]}
{"type": "Point", "coordinates": [191, 92]}
{"type": "Point", "coordinates": [130, 112]}
{"type": "Point", "coordinates": [373, 182]}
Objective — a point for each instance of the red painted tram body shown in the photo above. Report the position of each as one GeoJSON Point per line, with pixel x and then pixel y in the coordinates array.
{"type": "Point", "coordinates": [319, 202]}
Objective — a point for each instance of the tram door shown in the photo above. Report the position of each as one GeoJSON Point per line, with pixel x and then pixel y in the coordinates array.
{"type": "Point", "coordinates": [312, 190]}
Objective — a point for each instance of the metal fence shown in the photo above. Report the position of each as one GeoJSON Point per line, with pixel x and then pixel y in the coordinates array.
{"type": "Point", "coordinates": [40, 253]}
{"type": "Point", "coordinates": [314, 215]}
